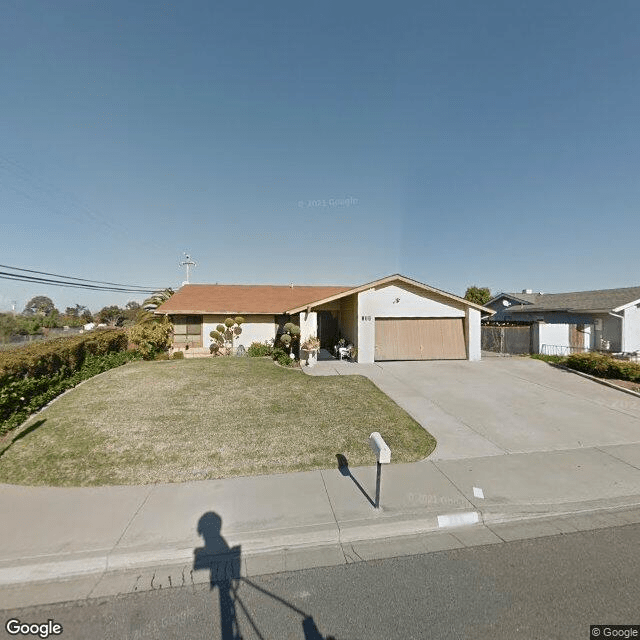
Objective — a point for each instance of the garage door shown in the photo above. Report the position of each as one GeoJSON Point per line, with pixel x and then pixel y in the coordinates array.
{"type": "Point", "coordinates": [420, 339]}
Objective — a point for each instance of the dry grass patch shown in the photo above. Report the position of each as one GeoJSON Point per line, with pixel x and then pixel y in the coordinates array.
{"type": "Point", "coordinates": [181, 420]}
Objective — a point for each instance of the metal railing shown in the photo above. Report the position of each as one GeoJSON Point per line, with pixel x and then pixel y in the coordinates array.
{"type": "Point", "coordinates": [561, 350]}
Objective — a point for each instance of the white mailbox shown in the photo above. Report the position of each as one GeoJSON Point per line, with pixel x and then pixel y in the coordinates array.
{"type": "Point", "coordinates": [380, 448]}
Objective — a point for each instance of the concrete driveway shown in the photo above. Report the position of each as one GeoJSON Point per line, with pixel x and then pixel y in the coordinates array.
{"type": "Point", "coordinates": [503, 405]}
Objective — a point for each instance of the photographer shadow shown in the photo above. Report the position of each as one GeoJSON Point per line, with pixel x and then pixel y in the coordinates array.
{"type": "Point", "coordinates": [224, 563]}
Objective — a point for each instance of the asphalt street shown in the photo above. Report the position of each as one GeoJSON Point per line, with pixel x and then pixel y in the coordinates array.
{"type": "Point", "coordinates": [547, 588]}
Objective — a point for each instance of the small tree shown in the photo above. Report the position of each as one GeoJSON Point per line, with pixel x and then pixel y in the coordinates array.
{"type": "Point", "coordinates": [112, 315]}
{"type": "Point", "coordinates": [131, 310]}
{"type": "Point", "coordinates": [290, 336]}
{"type": "Point", "coordinates": [39, 305]}
{"type": "Point", "coordinates": [224, 336]}
{"type": "Point", "coordinates": [8, 326]}
{"type": "Point", "coordinates": [73, 316]}
{"type": "Point", "coordinates": [51, 320]}
{"type": "Point", "coordinates": [479, 295]}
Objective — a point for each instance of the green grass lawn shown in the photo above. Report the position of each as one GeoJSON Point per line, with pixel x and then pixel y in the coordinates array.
{"type": "Point", "coordinates": [176, 421]}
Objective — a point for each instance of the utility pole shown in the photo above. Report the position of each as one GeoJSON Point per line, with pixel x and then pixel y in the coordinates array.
{"type": "Point", "coordinates": [188, 263]}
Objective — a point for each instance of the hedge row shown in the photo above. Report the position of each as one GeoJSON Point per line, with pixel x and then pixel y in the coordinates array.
{"type": "Point", "coordinates": [604, 366]}
{"type": "Point", "coordinates": [32, 376]}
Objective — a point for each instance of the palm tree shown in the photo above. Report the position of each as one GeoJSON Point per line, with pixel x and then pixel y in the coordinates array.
{"type": "Point", "coordinates": [150, 304]}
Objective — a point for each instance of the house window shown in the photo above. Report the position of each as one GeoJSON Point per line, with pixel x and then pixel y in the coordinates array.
{"type": "Point", "coordinates": [179, 326]}
{"type": "Point", "coordinates": [194, 325]}
{"type": "Point", "coordinates": [187, 330]}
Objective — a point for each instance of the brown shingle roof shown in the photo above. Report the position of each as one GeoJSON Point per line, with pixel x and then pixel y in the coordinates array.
{"type": "Point", "coordinates": [243, 298]}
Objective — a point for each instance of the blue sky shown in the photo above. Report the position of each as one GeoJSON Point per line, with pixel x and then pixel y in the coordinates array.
{"type": "Point", "coordinates": [490, 143]}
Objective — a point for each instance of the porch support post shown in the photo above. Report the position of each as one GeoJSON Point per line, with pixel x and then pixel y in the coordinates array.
{"type": "Point", "coordinates": [308, 329]}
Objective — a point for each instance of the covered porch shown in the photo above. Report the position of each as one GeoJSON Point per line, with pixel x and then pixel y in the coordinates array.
{"type": "Point", "coordinates": [331, 322]}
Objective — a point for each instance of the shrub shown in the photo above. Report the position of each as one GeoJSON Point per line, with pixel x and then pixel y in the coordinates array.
{"type": "Point", "coordinates": [604, 366]}
{"type": "Point", "coordinates": [283, 358]}
{"type": "Point", "coordinates": [47, 358]}
{"type": "Point", "coordinates": [290, 335]}
{"type": "Point", "coordinates": [151, 338]}
{"type": "Point", "coordinates": [178, 355]}
{"type": "Point", "coordinates": [285, 338]}
{"type": "Point", "coordinates": [30, 377]}
{"type": "Point", "coordinates": [259, 349]}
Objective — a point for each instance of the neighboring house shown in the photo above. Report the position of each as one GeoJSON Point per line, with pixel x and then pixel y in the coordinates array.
{"type": "Point", "coordinates": [394, 318]}
{"type": "Point", "coordinates": [607, 319]}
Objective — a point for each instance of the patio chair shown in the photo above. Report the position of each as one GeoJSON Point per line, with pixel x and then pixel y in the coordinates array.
{"type": "Point", "coordinates": [345, 352]}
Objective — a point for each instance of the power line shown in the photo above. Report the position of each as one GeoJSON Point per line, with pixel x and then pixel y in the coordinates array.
{"type": "Point", "coordinates": [76, 285]}
{"type": "Point", "coordinates": [57, 275]}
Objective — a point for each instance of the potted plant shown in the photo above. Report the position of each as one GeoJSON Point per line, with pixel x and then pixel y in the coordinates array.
{"type": "Point", "coordinates": [311, 346]}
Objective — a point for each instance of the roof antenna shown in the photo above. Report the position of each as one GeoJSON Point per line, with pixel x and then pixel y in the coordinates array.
{"type": "Point", "coordinates": [188, 263]}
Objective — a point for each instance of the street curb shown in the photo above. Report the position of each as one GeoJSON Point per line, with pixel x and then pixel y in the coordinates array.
{"type": "Point", "coordinates": [327, 539]}
{"type": "Point", "coordinates": [606, 383]}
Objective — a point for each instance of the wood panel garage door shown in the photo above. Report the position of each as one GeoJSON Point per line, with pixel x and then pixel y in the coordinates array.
{"type": "Point", "coordinates": [420, 339]}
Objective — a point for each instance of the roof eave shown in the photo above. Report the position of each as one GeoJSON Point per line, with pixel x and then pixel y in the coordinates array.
{"type": "Point", "coordinates": [626, 306]}
{"type": "Point", "coordinates": [507, 295]}
{"type": "Point", "coordinates": [208, 312]}
{"type": "Point", "coordinates": [381, 281]}
{"type": "Point", "coordinates": [526, 309]}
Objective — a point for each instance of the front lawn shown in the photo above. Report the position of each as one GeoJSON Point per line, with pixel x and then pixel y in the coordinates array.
{"type": "Point", "coordinates": [175, 421]}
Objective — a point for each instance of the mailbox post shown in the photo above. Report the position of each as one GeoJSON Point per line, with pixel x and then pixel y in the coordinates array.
{"type": "Point", "coordinates": [383, 456]}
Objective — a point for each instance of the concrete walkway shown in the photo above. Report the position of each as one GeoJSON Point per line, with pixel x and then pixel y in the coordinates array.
{"type": "Point", "coordinates": [62, 544]}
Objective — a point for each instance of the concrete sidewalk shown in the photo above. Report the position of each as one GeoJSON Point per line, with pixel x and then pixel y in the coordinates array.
{"type": "Point", "coordinates": [63, 544]}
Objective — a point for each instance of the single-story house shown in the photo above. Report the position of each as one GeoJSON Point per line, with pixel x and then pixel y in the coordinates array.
{"type": "Point", "coordinates": [394, 318]}
{"type": "Point", "coordinates": [606, 319]}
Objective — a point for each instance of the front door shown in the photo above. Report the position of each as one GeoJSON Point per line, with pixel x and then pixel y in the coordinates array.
{"type": "Point", "coordinates": [327, 329]}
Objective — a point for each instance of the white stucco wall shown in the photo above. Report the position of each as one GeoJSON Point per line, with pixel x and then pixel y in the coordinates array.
{"type": "Point", "coordinates": [308, 325]}
{"type": "Point", "coordinates": [366, 331]}
{"type": "Point", "coordinates": [394, 301]}
{"type": "Point", "coordinates": [474, 336]}
{"type": "Point", "coordinates": [553, 335]}
{"type": "Point", "coordinates": [397, 302]}
{"type": "Point", "coordinates": [631, 329]}
{"type": "Point", "coordinates": [256, 328]}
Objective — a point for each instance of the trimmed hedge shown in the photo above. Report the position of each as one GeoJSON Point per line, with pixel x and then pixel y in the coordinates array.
{"type": "Point", "coordinates": [604, 366]}
{"type": "Point", "coordinates": [30, 377]}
